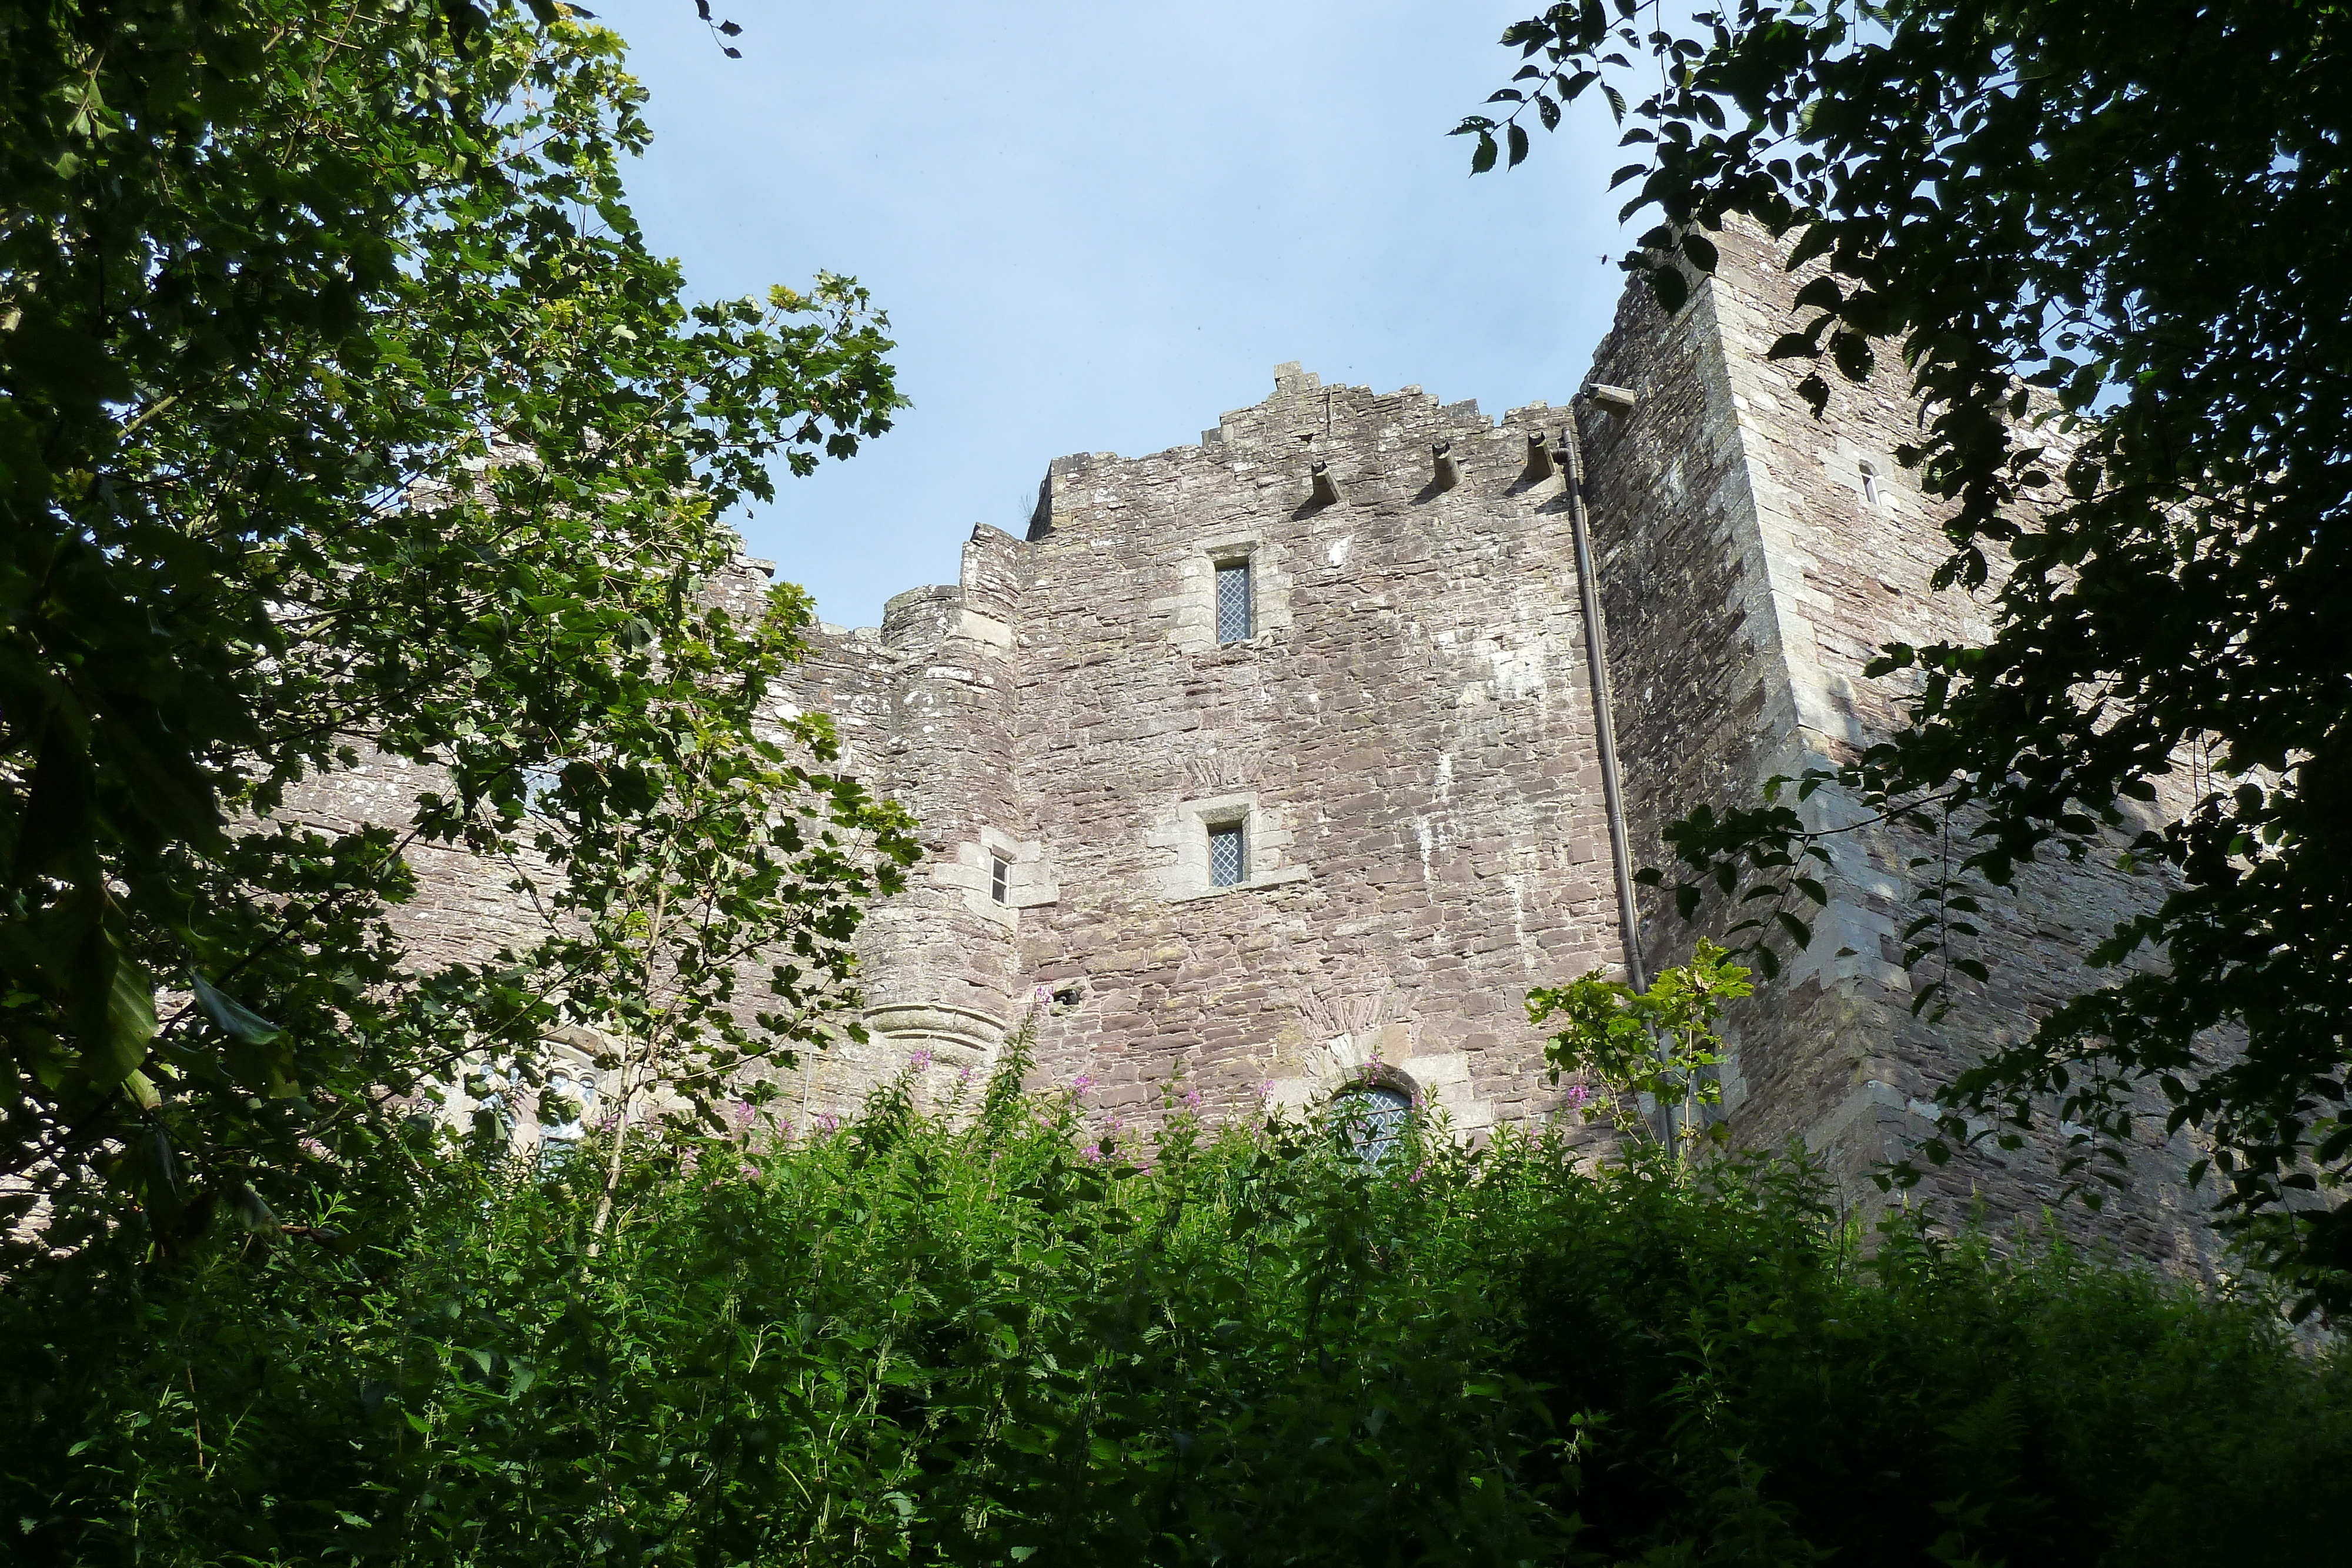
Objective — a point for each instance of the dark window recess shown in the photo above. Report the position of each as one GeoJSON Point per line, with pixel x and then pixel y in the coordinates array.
{"type": "Point", "coordinates": [1228, 855]}
{"type": "Point", "coordinates": [1372, 1119]}
{"type": "Point", "coordinates": [1000, 879]}
{"type": "Point", "coordinates": [1233, 601]}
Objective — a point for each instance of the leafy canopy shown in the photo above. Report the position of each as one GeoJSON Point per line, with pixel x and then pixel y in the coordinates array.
{"type": "Point", "coordinates": [348, 430]}
{"type": "Point", "coordinates": [2110, 242]}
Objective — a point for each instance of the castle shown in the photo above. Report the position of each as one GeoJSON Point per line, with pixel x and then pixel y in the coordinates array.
{"type": "Point", "coordinates": [1274, 767]}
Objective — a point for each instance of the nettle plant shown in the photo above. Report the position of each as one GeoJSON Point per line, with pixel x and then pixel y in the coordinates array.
{"type": "Point", "coordinates": [951, 1336]}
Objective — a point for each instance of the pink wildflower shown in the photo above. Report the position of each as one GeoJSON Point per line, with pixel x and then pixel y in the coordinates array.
{"type": "Point", "coordinates": [1081, 1084]}
{"type": "Point", "coordinates": [1192, 1099]}
{"type": "Point", "coordinates": [920, 1061]}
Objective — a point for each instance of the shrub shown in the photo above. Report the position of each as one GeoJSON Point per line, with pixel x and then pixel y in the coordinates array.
{"type": "Point", "coordinates": [994, 1337]}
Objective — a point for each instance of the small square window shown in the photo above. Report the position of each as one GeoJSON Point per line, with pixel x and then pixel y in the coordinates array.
{"type": "Point", "coordinates": [1233, 601]}
{"type": "Point", "coordinates": [1228, 855]}
{"type": "Point", "coordinates": [1000, 878]}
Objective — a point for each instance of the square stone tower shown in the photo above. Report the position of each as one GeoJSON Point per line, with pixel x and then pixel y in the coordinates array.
{"type": "Point", "coordinates": [1753, 558]}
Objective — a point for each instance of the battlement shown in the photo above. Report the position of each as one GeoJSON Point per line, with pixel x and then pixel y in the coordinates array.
{"type": "Point", "coordinates": [1362, 443]}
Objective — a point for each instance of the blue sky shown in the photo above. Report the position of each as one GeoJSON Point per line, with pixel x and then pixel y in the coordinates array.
{"type": "Point", "coordinates": [1097, 227]}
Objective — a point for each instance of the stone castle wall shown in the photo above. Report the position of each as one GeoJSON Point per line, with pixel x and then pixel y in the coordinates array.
{"type": "Point", "coordinates": [1408, 736]}
{"type": "Point", "coordinates": [1407, 739]}
{"type": "Point", "coordinates": [1750, 571]}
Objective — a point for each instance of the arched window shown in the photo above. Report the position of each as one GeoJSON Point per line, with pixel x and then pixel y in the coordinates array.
{"type": "Point", "coordinates": [581, 1095]}
{"type": "Point", "coordinates": [1373, 1118]}
{"type": "Point", "coordinates": [1869, 483]}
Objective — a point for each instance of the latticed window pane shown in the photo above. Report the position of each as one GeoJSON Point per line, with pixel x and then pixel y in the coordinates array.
{"type": "Point", "coordinates": [1228, 862]}
{"type": "Point", "coordinates": [1234, 603]}
{"type": "Point", "coordinates": [1372, 1119]}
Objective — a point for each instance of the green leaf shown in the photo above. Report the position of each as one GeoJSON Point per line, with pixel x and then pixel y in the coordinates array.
{"type": "Point", "coordinates": [236, 1019]}
{"type": "Point", "coordinates": [252, 1212]}
{"type": "Point", "coordinates": [119, 1020]}
{"type": "Point", "coordinates": [1821, 294]}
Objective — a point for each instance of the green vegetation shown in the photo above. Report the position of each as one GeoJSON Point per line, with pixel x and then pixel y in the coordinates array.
{"type": "Point", "coordinates": [2111, 243]}
{"type": "Point", "coordinates": [999, 1338]}
{"type": "Point", "coordinates": [345, 420]}
{"type": "Point", "coordinates": [1659, 1045]}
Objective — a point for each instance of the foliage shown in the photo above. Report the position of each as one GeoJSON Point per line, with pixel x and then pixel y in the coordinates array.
{"type": "Point", "coordinates": [2112, 243]}
{"type": "Point", "coordinates": [1656, 1048]}
{"type": "Point", "coordinates": [347, 424]}
{"type": "Point", "coordinates": [994, 1336]}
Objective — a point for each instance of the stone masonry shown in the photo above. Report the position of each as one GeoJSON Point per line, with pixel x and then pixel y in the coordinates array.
{"type": "Point", "coordinates": [1404, 738]}
{"type": "Point", "coordinates": [1403, 733]}
{"type": "Point", "coordinates": [1753, 558]}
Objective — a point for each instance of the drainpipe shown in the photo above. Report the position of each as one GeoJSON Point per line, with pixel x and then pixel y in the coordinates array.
{"type": "Point", "coordinates": [1596, 658]}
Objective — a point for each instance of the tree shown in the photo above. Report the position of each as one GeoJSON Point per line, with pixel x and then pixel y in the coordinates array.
{"type": "Point", "coordinates": [348, 420]}
{"type": "Point", "coordinates": [1654, 1053]}
{"type": "Point", "coordinates": [2111, 243]}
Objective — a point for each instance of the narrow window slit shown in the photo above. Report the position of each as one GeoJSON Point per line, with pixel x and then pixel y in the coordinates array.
{"type": "Point", "coordinates": [1000, 878]}
{"type": "Point", "coordinates": [1233, 607]}
{"type": "Point", "coordinates": [1228, 855]}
